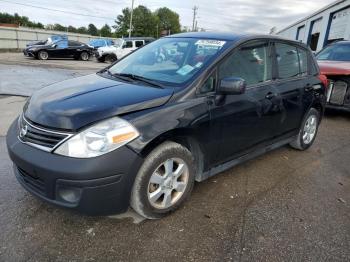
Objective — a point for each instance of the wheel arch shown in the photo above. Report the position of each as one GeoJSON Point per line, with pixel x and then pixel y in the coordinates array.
{"type": "Point", "coordinates": [184, 137]}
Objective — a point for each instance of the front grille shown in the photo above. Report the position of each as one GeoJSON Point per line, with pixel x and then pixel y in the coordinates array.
{"type": "Point", "coordinates": [34, 181]}
{"type": "Point", "coordinates": [38, 137]}
{"type": "Point", "coordinates": [338, 92]}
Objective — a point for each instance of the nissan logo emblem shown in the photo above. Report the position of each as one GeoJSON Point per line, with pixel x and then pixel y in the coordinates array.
{"type": "Point", "coordinates": [23, 131]}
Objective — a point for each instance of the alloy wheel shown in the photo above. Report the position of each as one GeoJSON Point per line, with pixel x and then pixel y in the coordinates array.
{"type": "Point", "coordinates": [168, 183]}
{"type": "Point", "coordinates": [310, 128]}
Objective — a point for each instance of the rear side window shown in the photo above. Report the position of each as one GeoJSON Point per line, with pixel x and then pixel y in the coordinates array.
{"type": "Point", "coordinates": [287, 61]}
{"type": "Point", "coordinates": [139, 43]}
{"type": "Point", "coordinates": [303, 57]}
{"type": "Point", "coordinates": [251, 62]}
{"type": "Point", "coordinates": [74, 43]}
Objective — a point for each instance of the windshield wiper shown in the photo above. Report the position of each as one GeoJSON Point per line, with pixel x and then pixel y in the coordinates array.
{"type": "Point", "coordinates": [139, 78]}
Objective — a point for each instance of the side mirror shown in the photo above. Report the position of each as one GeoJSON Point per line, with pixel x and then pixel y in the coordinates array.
{"type": "Point", "coordinates": [54, 46]}
{"type": "Point", "coordinates": [232, 86]}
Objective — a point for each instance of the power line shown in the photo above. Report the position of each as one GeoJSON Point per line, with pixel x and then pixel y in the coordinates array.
{"type": "Point", "coordinates": [57, 10]}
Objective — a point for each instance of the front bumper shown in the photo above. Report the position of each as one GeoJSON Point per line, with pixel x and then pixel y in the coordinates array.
{"type": "Point", "coordinates": [94, 186]}
{"type": "Point", "coordinates": [28, 53]}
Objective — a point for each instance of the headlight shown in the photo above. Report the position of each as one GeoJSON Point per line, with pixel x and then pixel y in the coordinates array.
{"type": "Point", "coordinates": [99, 139]}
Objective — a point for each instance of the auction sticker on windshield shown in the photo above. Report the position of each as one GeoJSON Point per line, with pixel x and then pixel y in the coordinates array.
{"type": "Point", "coordinates": [209, 42]}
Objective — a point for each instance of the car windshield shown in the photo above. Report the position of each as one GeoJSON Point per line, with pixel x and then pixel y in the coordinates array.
{"type": "Point", "coordinates": [170, 60]}
{"type": "Point", "coordinates": [336, 52]}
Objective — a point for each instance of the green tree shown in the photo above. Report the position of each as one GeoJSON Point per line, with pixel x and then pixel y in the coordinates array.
{"type": "Point", "coordinates": [58, 27]}
{"type": "Point", "coordinates": [72, 29]}
{"type": "Point", "coordinates": [122, 23]}
{"type": "Point", "coordinates": [106, 31]}
{"type": "Point", "coordinates": [144, 22]}
{"type": "Point", "coordinates": [82, 30]}
{"type": "Point", "coordinates": [92, 29]}
{"type": "Point", "coordinates": [168, 20]}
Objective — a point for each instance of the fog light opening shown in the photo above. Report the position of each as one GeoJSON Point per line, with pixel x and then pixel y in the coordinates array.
{"type": "Point", "coordinates": [71, 195]}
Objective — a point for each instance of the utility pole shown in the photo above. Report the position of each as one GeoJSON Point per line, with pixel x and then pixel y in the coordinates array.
{"type": "Point", "coordinates": [195, 8]}
{"type": "Point", "coordinates": [132, 11]}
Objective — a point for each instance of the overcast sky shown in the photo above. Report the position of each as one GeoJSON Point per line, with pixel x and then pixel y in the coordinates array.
{"type": "Point", "coordinates": [253, 16]}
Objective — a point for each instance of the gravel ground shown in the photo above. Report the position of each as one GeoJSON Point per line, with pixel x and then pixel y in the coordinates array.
{"type": "Point", "coordinates": [20, 75]}
{"type": "Point", "coordinates": [283, 206]}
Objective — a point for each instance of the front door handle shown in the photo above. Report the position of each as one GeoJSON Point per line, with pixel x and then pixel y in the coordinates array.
{"type": "Point", "coordinates": [270, 95]}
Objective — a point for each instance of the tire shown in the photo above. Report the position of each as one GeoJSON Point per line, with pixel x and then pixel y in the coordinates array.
{"type": "Point", "coordinates": [308, 131]}
{"type": "Point", "coordinates": [165, 198]}
{"type": "Point", "coordinates": [43, 55]}
{"type": "Point", "coordinates": [110, 58]}
{"type": "Point", "coordinates": [101, 59]}
{"type": "Point", "coordinates": [84, 56]}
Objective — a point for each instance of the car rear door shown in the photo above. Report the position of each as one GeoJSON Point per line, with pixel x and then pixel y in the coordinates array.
{"type": "Point", "coordinates": [247, 120]}
{"type": "Point", "coordinates": [293, 85]}
{"type": "Point", "coordinates": [74, 48]}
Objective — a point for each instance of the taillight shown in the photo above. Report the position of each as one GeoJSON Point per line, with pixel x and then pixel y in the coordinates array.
{"type": "Point", "coordinates": [324, 80]}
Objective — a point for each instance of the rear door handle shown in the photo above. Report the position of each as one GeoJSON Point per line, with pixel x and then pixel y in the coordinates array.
{"type": "Point", "coordinates": [270, 95]}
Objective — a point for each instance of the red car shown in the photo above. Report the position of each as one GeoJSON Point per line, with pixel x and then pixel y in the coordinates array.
{"type": "Point", "coordinates": [334, 62]}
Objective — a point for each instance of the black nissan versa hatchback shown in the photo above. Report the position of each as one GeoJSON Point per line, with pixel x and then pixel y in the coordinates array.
{"type": "Point", "coordinates": [178, 110]}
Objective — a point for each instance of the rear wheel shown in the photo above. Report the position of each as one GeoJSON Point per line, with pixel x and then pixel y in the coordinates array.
{"type": "Point", "coordinates": [308, 131]}
{"type": "Point", "coordinates": [164, 181]}
{"type": "Point", "coordinates": [43, 55]}
{"type": "Point", "coordinates": [84, 56]}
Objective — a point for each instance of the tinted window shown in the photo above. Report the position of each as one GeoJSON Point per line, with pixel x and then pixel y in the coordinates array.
{"type": "Point", "coordinates": [250, 62]}
{"type": "Point", "coordinates": [128, 44]}
{"type": "Point", "coordinates": [303, 61]}
{"type": "Point", "coordinates": [74, 43]}
{"type": "Point", "coordinates": [138, 43]}
{"type": "Point", "coordinates": [209, 85]}
{"type": "Point", "coordinates": [336, 52]}
{"type": "Point", "coordinates": [287, 60]}
{"type": "Point", "coordinates": [61, 44]}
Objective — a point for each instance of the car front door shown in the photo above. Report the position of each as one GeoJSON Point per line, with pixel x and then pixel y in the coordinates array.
{"type": "Point", "coordinates": [293, 85]}
{"type": "Point", "coordinates": [246, 120]}
{"type": "Point", "coordinates": [127, 47]}
{"type": "Point", "coordinates": [59, 49]}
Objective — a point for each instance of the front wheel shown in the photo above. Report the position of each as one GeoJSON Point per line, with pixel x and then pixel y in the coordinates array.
{"type": "Point", "coordinates": [164, 181]}
{"type": "Point", "coordinates": [43, 55]}
{"type": "Point", "coordinates": [110, 58]}
{"type": "Point", "coordinates": [308, 131]}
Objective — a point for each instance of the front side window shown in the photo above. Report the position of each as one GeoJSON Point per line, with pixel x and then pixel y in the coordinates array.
{"type": "Point", "coordinates": [287, 60]}
{"type": "Point", "coordinates": [336, 52]}
{"type": "Point", "coordinates": [250, 62]}
{"type": "Point", "coordinates": [128, 44]}
{"type": "Point", "coordinates": [61, 44]}
{"type": "Point", "coordinates": [209, 85]}
{"type": "Point", "coordinates": [171, 60]}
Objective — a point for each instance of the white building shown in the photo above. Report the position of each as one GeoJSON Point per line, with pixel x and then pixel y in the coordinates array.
{"type": "Point", "coordinates": [328, 24]}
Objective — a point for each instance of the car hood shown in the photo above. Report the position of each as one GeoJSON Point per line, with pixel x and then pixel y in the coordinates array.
{"type": "Point", "coordinates": [75, 103]}
{"type": "Point", "coordinates": [334, 67]}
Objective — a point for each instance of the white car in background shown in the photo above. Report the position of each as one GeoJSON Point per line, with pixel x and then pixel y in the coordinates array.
{"type": "Point", "coordinates": [121, 48]}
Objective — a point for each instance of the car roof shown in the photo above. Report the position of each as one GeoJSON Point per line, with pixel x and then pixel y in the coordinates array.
{"type": "Point", "coordinates": [341, 42]}
{"type": "Point", "coordinates": [227, 36]}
